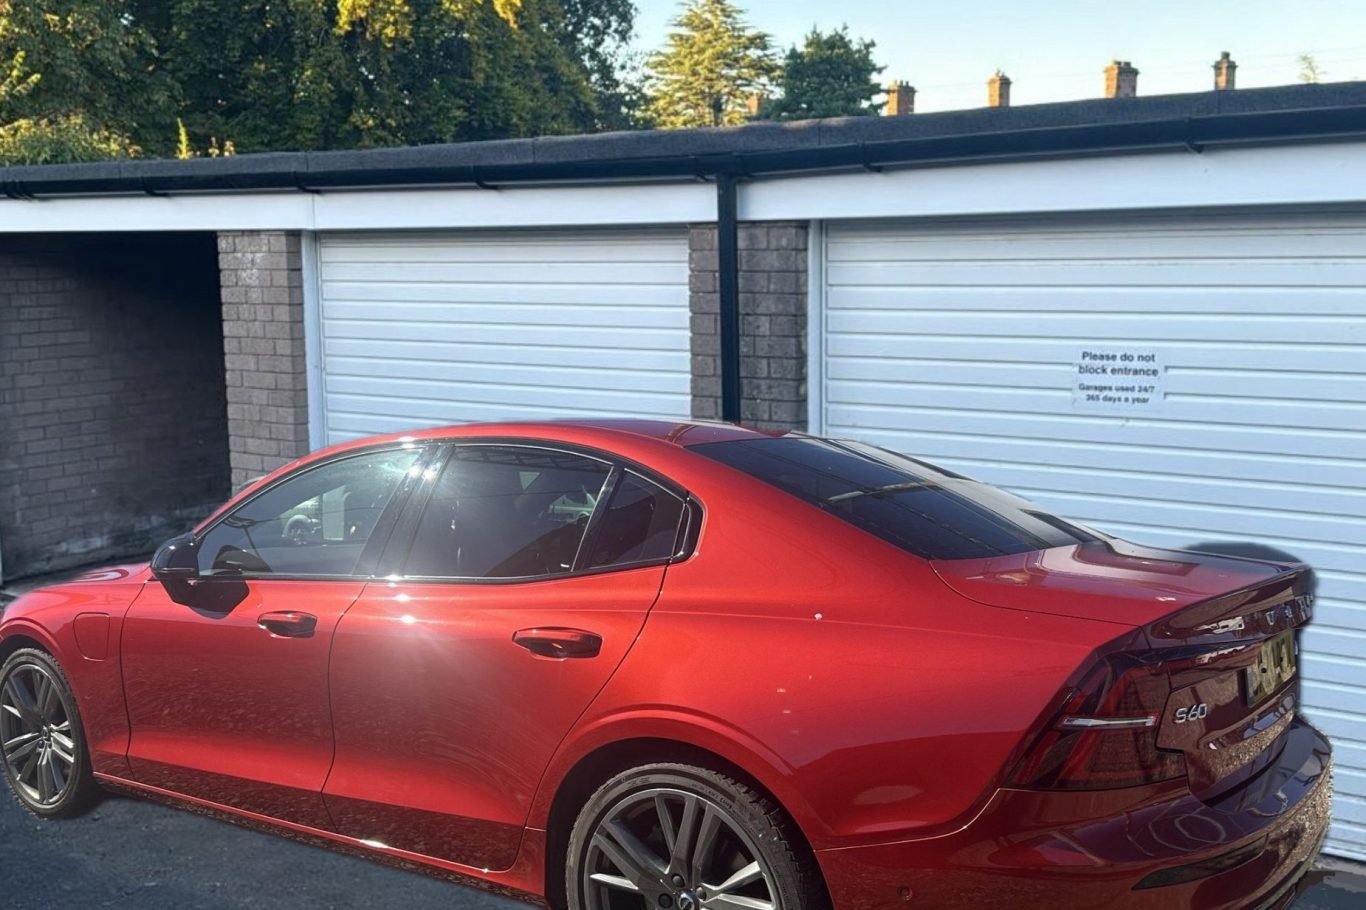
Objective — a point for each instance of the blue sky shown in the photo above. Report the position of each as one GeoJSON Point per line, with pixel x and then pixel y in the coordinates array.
{"type": "Point", "coordinates": [1056, 50]}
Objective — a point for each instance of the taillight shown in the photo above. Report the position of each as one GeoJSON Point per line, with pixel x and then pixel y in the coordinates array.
{"type": "Point", "coordinates": [1105, 734]}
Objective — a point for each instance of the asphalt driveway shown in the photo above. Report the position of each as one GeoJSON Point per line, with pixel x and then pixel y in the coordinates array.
{"type": "Point", "coordinates": [142, 856]}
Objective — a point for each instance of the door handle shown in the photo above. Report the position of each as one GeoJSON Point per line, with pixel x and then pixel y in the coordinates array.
{"type": "Point", "coordinates": [559, 643]}
{"type": "Point", "coordinates": [288, 624]}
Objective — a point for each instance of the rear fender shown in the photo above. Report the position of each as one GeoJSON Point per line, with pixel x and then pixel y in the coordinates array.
{"type": "Point", "coordinates": [694, 730]}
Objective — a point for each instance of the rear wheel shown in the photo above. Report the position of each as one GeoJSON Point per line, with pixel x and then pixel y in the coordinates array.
{"type": "Point", "coordinates": [41, 741]}
{"type": "Point", "coordinates": [675, 837]}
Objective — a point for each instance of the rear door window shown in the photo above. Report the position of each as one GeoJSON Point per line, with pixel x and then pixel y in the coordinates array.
{"type": "Point", "coordinates": [928, 511]}
{"type": "Point", "coordinates": [507, 512]}
{"type": "Point", "coordinates": [640, 523]}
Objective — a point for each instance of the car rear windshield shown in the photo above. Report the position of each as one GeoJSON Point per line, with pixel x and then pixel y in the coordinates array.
{"type": "Point", "coordinates": [928, 511]}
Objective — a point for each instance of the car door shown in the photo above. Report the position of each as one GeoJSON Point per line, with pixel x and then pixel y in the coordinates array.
{"type": "Point", "coordinates": [530, 574]}
{"type": "Point", "coordinates": [226, 684]}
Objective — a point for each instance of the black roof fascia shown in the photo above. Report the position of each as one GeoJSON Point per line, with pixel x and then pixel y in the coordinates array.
{"type": "Point", "coordinates": [1043, 131]}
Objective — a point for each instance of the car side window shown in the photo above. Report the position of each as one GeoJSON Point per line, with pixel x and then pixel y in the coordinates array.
{"type": "Point", "coordinates": [640, 524]}
{"type": "Point", "coordinates": [316, 523]}
{"type": "Point", "coordinates": [506, 512]}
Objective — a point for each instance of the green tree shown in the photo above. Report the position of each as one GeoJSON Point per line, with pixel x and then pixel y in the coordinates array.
{"type": "Point", "coordinates": [447, 71]}
{"type": "Point", "coordinates": [313, 74]}
{"type": "Point", "coordinates": [267, 74]}
{"type": "Point", "coordinates": [59, 140]}
{"type": "Point", "coordinates": [18, 81]}
{"type": "Point", "coordinates": [831, 75]}
{"type": "Point", "coordinates": [713, 63]}
{"type": "Point", "coordinates": [599, 32]}
{"type": "Point", "coordinates": [172, 76]}
{"type": "Point", "coordinates": [91, 67]}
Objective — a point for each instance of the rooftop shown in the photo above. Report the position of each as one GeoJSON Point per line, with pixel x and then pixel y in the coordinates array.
{"type": "Point", "coordinates": [1296, 113]}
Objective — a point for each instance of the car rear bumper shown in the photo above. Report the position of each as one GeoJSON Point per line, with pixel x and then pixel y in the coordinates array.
{"type": "Point", "coordinates": [1141, 849]}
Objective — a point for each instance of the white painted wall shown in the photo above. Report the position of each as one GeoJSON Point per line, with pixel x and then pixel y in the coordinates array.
{"type": "Point", "coordinates": [456, 207]}
{"type": "Point", "coordinates": [1313, 174]}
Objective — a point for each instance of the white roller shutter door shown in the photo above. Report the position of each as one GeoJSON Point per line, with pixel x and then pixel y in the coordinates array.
{"type": "Point", "coordinates": [426, 329]}
{"type": "Point", "coordinates": [960, 342]}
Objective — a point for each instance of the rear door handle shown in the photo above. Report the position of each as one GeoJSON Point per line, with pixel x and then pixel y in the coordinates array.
{"type": "Point", "coordinates": [559, 643]}
{"type": "Point", "coordinates": [288, 624]}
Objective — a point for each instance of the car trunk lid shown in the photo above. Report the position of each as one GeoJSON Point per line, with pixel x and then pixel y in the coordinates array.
{"type": "Point", "coordinates": [1220, 629]}
{"type": "Point", "coordinates": [1109, 580]}
{"type": "Point", "coordinates": [1233, 662]}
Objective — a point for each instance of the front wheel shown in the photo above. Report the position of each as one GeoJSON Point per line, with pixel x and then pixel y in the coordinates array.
{"type": "Point", "coordinates": [676, 837]}
{"type": "Point", "coordinates": [41, 740]}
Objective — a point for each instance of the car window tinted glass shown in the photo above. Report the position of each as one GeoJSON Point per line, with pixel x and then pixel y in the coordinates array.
{"type": "Point", "coordinates": [506, 512]}
{"type": "Point", "coordinates": [928, 511]}
{"type": "Point", "coordinates": [640, 524]}
{"type": "Point", "coordinates": [314, 524]}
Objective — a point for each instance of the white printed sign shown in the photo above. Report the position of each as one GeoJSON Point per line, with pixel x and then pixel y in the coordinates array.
{"type": "Point", "coordinates": [1118, 380]}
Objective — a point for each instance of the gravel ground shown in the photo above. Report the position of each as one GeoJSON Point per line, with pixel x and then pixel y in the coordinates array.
{"type": "Point", "coordinates": [135, 855]}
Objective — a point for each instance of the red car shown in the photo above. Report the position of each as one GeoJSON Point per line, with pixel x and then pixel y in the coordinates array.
{"type": "Point", "coordinates": [644, 664]}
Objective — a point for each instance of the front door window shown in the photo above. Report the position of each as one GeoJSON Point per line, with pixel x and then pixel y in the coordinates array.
{"type": "Point", "coordinates": [314, 524]}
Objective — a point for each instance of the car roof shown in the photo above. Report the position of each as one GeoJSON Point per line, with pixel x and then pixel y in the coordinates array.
{"type": "Point", "coordinates": [677, 432]}
{"type": "Point", "coordinates": [631, 437]}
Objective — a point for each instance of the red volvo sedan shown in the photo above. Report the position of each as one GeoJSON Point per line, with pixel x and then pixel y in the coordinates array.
{"type": "Point", "coordinates": [644, 664]}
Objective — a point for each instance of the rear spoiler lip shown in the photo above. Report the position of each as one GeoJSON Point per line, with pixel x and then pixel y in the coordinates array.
{"type": "Point", "coordinates": [1281, 566]}
{"type": "Point", "coordinates": [1284, 601]}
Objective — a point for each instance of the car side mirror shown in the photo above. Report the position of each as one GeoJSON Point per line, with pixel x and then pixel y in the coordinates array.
{"type": "Point", "coordinates": [177, 560]}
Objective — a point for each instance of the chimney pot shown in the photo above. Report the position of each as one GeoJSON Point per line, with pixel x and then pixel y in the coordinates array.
{"type": "Point", "coordinates": [900, 99]}
{"type": "Point", "coordinates": [1121, 80]}
{"type": "Point", "coordinates": [998, 90]}
{"type": "Point", "coordinates": [1224, 72]}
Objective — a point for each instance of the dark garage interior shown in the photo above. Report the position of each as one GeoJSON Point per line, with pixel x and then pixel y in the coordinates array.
{"type": "Point", "coordinates": [112, 398]}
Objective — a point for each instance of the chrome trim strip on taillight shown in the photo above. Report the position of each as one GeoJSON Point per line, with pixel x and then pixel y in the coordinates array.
{"type": "Point", "coordinates": [1108, 723]}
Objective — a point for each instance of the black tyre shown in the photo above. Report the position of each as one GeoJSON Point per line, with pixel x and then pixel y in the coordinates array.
{"type": "Point", "coordinates": [676, 837]}
{"type": "Point", "coordinates": [42, 743]}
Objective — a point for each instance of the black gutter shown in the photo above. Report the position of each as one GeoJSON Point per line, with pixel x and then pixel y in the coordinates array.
{"type": "Point", "coordinates": [817, 146]}
{"type": "Point", "coordinates": [728, 288]}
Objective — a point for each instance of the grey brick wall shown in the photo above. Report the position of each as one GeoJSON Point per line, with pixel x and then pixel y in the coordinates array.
{"type": "Point", "coordinates": [261, 275]}
{"type": "Point", "coordinates": [773, 276]}
{"type": "Point", "coordinates": [112, 435]}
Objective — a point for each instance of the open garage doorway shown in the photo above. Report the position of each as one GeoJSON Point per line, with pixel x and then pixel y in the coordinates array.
{"type": "Point", "coordinates": [113, 420]}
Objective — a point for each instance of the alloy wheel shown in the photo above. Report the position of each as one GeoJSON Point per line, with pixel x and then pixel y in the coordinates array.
{"type": "Point", "coordinates": [673, 850]}
{"type": "Point", "coordinates": [35, 735]}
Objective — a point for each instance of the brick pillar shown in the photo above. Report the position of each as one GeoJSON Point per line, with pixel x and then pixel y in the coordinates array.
{"type": "Point", "coordinates": [773, 276]}
{"type": "Point", "coordinates": [261, 276]}
{"type": "Point", "coordinates": [704, 302]}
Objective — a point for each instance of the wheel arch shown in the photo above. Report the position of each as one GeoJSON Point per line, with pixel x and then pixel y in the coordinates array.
{"type": "Point", "coordinates": [22, 636]}
{"type": "Point", "coordinates": [597, 766]}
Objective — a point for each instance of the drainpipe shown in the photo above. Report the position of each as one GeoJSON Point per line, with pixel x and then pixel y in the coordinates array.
{"type": "Point", "coordinates": [728, 287]}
